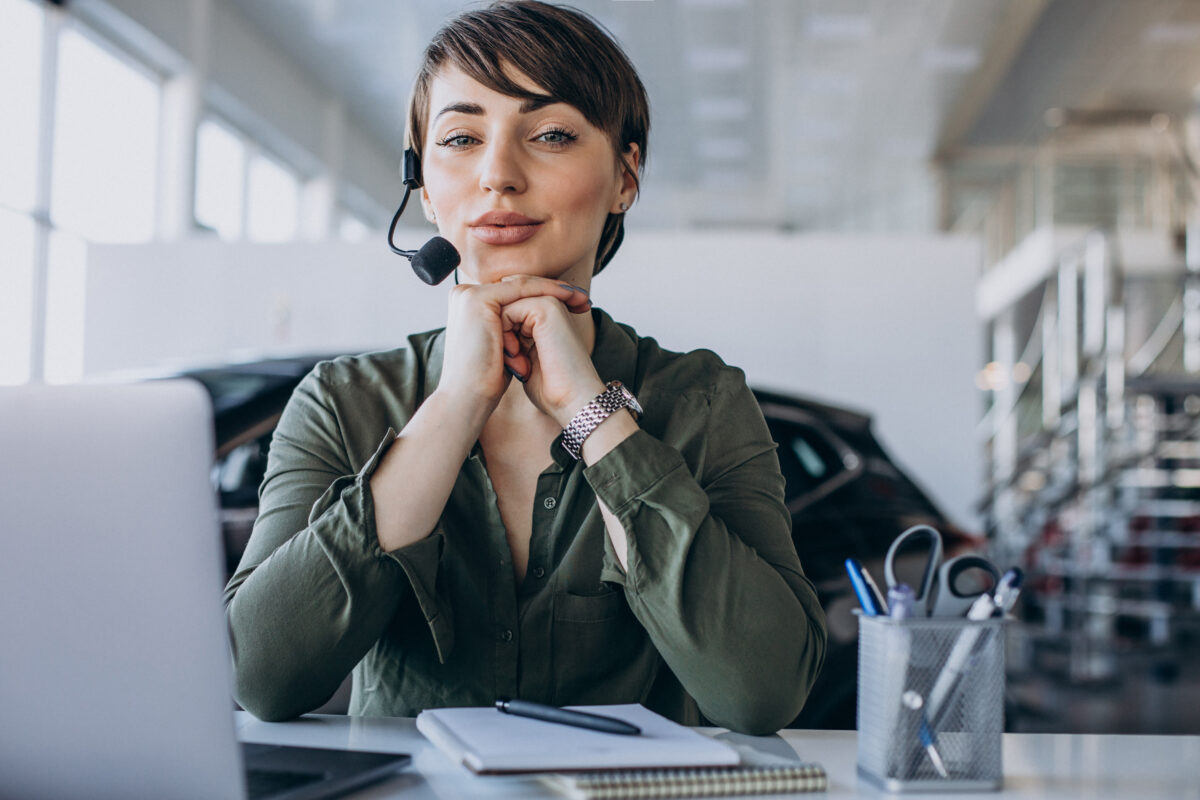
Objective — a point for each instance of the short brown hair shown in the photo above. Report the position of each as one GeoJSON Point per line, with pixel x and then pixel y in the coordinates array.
{"type": "Point", "coordinates": [565, 52]}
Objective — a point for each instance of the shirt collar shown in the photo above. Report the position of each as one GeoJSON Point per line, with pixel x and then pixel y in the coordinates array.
{"type": "Point", "coordinates": [615, 352]}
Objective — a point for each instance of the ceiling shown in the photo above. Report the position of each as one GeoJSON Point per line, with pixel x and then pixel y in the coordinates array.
{"type": "Point", "coordinates": [802, 114]}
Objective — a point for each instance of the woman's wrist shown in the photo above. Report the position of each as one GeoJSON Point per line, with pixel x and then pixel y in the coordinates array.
{"type": "Point", "coordinates": [618, 427]}
{"type": "Point", "coordinates": [604, 420]}
{"type": "Point", "coordinates": [586, 394]}
{"type": "Point", "coordinates": [469, 411]}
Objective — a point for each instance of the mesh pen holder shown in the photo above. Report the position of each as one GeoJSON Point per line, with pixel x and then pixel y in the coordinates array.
{"type": "Point", "coordinates": [930, 703]}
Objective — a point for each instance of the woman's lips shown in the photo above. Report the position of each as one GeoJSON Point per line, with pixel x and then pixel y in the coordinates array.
{"type": "Point", "coordinates": [504, 234]}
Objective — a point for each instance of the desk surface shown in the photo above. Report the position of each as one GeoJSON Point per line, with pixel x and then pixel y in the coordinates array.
{"type": "Point", "coordinates": [1041, 765]}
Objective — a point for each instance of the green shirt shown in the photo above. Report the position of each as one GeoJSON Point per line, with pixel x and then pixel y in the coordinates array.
{"type": "Point", "coordinates": [714, 619]}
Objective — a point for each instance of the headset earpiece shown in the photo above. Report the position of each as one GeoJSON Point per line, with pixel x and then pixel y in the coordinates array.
{"type": "Point", "coordinates": [411, 169]}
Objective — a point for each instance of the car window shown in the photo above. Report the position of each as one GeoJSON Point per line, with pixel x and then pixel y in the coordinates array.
{"type": "Point", "coordinates": [806, 457]}
{"type": "Point", "coordinates": [809, 459]}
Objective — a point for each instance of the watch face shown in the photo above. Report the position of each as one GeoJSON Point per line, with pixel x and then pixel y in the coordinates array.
{"type": "Point", "coordinates": [627, 398]}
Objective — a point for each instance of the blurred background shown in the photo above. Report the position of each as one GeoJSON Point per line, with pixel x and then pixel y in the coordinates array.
{"type": "Point", "coordinates": [969, 226]}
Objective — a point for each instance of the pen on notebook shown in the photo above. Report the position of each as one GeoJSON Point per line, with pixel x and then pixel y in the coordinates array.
{"type": "Point", "coordinates": [869, 598]}
{"type": "Point", "coordinates": [564, 716]}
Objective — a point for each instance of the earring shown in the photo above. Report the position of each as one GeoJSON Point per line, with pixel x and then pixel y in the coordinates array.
{"type": "Point", "coordinates": [624, 206]}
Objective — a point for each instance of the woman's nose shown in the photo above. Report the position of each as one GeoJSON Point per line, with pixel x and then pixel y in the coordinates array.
{"type": "Point", "coordinates": [501, 170]}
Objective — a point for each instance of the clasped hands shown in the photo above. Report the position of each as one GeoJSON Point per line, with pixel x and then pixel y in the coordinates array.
{"type": "Point", "coordinates": [522, 326]}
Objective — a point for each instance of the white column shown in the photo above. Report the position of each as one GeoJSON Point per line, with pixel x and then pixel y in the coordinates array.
{"type": "Point", "coordinates": [54, 23]}
{"type": "Point", "coordinates": [1068, 323]}
{"type": "Point", "coordinates": [1191, 292]}
{"type": "Point", "coordinates": [1051, 358]}
{"type": "Point", "coordinates": [1096, 292]}
{"type": "Point", "coordinates": [182, 107]}
{"type": "Point", "coordinates": [319, 200]}
{"type": "Point", "coordinates": [1004, 443]}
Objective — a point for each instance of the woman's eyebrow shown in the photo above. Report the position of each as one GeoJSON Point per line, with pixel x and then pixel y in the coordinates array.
{"type": "Point", "coordinates": [527, 107]}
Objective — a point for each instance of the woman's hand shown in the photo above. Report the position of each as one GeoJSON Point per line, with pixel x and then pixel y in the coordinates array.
{"type": "Point", "coordinates": [553, 360]}
{"type": "Point", "coordinates": [480, 341]}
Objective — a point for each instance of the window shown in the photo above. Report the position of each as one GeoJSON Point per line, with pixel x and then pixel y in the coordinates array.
{"type": "Point", "coordinates": [20, 95]}
{"type": "Point", "coordinates": [272, 201]}
{"type": "Point", "coordinates": [353, 229]}
{"type": "Point", "coordinates": [220, 179]}
{"type": "Point", "coordinates": [105, 145]}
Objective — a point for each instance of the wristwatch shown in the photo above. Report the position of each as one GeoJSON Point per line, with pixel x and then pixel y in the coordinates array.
{"type": "Point", "coordinates": [614, 397]}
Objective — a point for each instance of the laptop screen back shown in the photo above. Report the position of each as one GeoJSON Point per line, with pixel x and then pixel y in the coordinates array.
{"type": "Point", "coordinates": [114, 669]}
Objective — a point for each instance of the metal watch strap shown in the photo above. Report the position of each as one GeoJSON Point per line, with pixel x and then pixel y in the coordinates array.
{"type": "Point", "coordinates": [614, 397]}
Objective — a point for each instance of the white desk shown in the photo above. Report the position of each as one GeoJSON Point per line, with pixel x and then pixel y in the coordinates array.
{"type": "Point", "coordinates": [1066, 766]}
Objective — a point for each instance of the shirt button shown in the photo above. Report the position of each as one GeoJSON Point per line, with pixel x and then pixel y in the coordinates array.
{"type": "Point", "coordinates": [549, 502]}
{"type": "Point", "coordinates": [506, 635]}
{"type": "Point", "coordinates": [538, 572]}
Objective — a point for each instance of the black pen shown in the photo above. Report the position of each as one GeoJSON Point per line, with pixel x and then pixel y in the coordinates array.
{"type": "Point", "coordinates": [563, 716]}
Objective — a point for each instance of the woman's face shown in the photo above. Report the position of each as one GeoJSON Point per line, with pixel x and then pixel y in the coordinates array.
{"type": "Point", "coordinates": [517, 189]}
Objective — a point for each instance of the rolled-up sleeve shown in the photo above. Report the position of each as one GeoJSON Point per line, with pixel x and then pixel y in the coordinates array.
{"type": "Point", "coordinates": [314, 590]}
{"type": "Point", "coordinates": [712, 573]}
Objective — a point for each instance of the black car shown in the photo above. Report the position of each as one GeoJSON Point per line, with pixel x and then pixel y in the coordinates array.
{"type": "Point", "coordinates": [847, 497]}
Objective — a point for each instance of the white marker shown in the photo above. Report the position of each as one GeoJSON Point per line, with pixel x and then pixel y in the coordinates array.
{"type": "Point", "coordinates": [983, 608]}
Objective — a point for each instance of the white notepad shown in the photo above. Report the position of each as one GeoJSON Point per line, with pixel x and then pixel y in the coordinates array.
{"type": "Point", "coordinates": [485, 740]}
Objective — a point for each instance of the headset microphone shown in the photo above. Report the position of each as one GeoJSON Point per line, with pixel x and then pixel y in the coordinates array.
{"type": "Point", "coordinates": [437, 258]}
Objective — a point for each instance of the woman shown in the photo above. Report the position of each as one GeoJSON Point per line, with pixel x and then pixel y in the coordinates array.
{"type": "Point", "coordinates": [518, 537]}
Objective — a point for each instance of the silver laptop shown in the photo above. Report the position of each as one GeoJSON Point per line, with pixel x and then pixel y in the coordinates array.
{"type": "Point", "coordinates": [115, 672]}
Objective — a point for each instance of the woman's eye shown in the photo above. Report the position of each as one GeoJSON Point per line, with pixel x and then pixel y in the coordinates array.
{"type": "Point", "coordinates": [457, 140]}
{"type": "Point", "coordinates": [557, 137]}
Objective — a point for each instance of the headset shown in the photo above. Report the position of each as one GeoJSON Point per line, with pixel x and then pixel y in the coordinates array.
{"type": "Point", "coordinates": [437, 258]}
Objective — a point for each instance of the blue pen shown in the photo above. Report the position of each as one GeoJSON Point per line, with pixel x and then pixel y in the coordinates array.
{"type": "Point", "coordinates": [872, 606]}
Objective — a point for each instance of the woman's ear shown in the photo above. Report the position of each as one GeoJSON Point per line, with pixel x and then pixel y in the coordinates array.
{"type": "Point", "coordinates": [628, 188]}
{"type": "Point", "coordinates": [427, 207]}
{"type": "Point", "coordinates": [632, 156]}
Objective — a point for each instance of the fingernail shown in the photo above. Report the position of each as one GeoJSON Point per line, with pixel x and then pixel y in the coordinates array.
{"type": "Point", "coordinates": [514, 373]}
{"type": "Point", "coordinates": [575, 288]}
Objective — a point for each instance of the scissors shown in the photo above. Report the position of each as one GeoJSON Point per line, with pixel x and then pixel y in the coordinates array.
{"type": "Point", "coordinates": [941, 592]}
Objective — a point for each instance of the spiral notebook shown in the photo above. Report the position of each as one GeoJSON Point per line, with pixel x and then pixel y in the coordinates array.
{"type": "Point", "coordinates": [708, 782]}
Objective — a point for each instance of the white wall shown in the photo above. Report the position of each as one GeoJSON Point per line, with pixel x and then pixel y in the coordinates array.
{"type": "Point", "coordinates": [207, 301]}
{"type": "Point", "coordinates": [882, 324]}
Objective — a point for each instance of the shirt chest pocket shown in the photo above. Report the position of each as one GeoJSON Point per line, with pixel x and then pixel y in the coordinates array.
{"type": "Point", "coordinates": [601, 652]}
